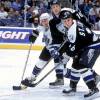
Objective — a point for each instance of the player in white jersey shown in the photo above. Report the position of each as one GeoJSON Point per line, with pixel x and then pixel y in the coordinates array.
{"type": "Point", "coordinates": [45, 55]}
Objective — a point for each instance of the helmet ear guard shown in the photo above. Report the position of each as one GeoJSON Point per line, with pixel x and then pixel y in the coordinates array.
{"type": "Point", "coordinates": [65, 14]}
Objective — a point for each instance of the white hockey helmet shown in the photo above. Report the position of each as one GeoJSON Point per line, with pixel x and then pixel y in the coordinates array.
{"type": "Point", "coordinates": [44, 16]}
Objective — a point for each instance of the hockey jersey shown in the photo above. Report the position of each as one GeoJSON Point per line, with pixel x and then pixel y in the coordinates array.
{"type": "Point", "coordinates": [79, 37]}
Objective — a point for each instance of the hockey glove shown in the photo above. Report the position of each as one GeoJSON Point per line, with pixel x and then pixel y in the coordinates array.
{"type": "Point", "coordinates": [54, 52]}
{"type": "Point", "coordinates": [35, 32]}
{"type": "Point", "coordinates": [32, 37]}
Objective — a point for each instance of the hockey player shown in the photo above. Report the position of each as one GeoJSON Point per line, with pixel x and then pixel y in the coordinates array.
{"type": "Point", "coordinates": [57, 35]}
{"type": "Point", "coordinates": [45, 55]}
{"type": "Point", "coordinates": [77, 15]}
{"type": "Point", "coordinates": [79, 38]}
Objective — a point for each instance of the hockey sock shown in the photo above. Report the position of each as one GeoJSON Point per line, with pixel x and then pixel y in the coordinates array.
{"type": "Point", "coordinates": [59, 73]}
{"type": "Point", "coordinates": [68, 73]}
{"type": "Point", "coordinates": [73, 84]}
{"type": "Point", "coordinates": [91, 84]}
{"type": "Point", "coordinates": [36, 70]}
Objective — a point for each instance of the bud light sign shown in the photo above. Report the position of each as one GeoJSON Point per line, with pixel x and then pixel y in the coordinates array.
{"type": "Point", "coordinates": [14, 34]}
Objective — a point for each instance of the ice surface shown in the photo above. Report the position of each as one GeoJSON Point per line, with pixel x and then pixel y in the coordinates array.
{"type": "Point", "coordinates": [12, 63]}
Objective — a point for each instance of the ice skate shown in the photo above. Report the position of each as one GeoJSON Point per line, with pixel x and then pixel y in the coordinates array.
{"type": "Point", "coordinates": [70, 92]}
{"type": "Point", "coordinates": [92, 94]}
{"type": "Point", "coordinates": [29, 82]}
{"type": "Point", "coordinates": [57, 82]}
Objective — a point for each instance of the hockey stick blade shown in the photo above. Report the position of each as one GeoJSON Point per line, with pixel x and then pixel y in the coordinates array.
{"type": "Point", "coordinates": [27, 84]}
{"type": "Point", "coordinates": [19, 87]}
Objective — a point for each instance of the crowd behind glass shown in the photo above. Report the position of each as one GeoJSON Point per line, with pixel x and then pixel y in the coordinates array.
{"type": "Point", "coordinates": [12, 12]}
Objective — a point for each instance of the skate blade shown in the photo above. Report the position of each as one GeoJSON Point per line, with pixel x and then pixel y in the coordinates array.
{"type": "Point", "coordinates": [97, 95]}
{"type": "Point", "coordinates": [69, 94]}
{"type": "Point", "coordinates": [56, 87]}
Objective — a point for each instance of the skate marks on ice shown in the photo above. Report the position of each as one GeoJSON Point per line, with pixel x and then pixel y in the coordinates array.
{"type": "Point", "coordinates": [79, 95]}
{"type": "Point", "coordinates": [37, 93]}
{"type": "Point", "coordinates": [41, 93]}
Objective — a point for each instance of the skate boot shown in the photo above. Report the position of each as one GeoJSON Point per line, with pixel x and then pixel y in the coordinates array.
{"type": "Point", "coordinates": [70, 92]}
{"type": "Point", "coordinates": [58, 82]}
{"type": "Point", "coordinates": [97, 79]}
{"type": "Point", "coordinates": [29, 82]}
{"type": "Point", "coordinates": [92, 94]}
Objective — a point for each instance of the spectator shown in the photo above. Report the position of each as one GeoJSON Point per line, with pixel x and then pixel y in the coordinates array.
{"type": "Point", "coordinates": [42, 7]}
{"type": "Point", "coordinates": [3, 13]}
{"type": "Point", "coordinates": [93, 14]}
{"type": "Point", "coordinates": [35, 22]}
{"type": "Point", "coordinates": [14, 19]}
{"type": "Point", "coordinates": [87, 7]}
{"type": "Point", "coordinates": [81, 5]}
{"type": "Point", "coordinates": [16, 5]}
{"type": "Point", "coordinates": [7, 4]}
{"type": "Point", "coordinates": [97, 24]}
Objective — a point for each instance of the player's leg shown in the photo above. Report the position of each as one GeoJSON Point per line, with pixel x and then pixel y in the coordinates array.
{"type": "Point", "coordinates": [74, 78]}
{"type": "Point", "coordinates": [61, 70]}
{"type": "Point", "coordinates": [86, 72]}
{"type": "Point", "coordinates": [59, 75]}
{"type": "Point", "coordinates": [67, 71]}
{"type": "Point", "coordinates": [93, 54]}
{"type": "Point", "coordinates": [42, 62]}
{"type": "Point", "coordinates": [90, 82]}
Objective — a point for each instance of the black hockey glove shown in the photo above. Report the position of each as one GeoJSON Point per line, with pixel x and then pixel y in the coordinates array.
{"type": "Point", "coordinates": [36, 32]}
{"type": "Point", "coordinates": [32, 37]}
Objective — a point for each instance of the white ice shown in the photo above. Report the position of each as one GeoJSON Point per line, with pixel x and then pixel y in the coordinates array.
{"type": "Point", "coordinates": [12, 63]}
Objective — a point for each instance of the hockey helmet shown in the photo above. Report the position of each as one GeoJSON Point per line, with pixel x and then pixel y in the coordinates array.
{"type": "Point", "coordinates": [44, 16]}
{"type": "Point", "coordinates": [65, 14]}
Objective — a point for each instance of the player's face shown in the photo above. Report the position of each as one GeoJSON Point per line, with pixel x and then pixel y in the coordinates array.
{"type": "Point", "coordinates": [45, 22]}
{"type": "Point", "coordinates": [56, 9]}
{"type": "Point", "coordinates": [68, 22]}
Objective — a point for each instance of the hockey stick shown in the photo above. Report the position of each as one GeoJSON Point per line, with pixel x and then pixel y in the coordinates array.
{"type": "Point", "coordinates": [35, 84]}
{"type": "Point", "coordinates": [22, 87]}
{"type": "Point", "coordinates": [34, 35]}
{"type": "Point", "coordinates": [19, 87]}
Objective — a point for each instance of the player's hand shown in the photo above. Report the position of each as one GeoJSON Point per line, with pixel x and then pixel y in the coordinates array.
{"type": "Point", "coordinates": [55, 54]}
{"type": "Point", "coordinates": [35, 32]}
{"type": "Point", "coordinates": [33, 36]}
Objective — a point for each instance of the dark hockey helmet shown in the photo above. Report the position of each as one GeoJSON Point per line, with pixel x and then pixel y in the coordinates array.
{"type": "Point", "coordinates": [65, 14]}
{"type": "Point", "coordinates": [53, 2]}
